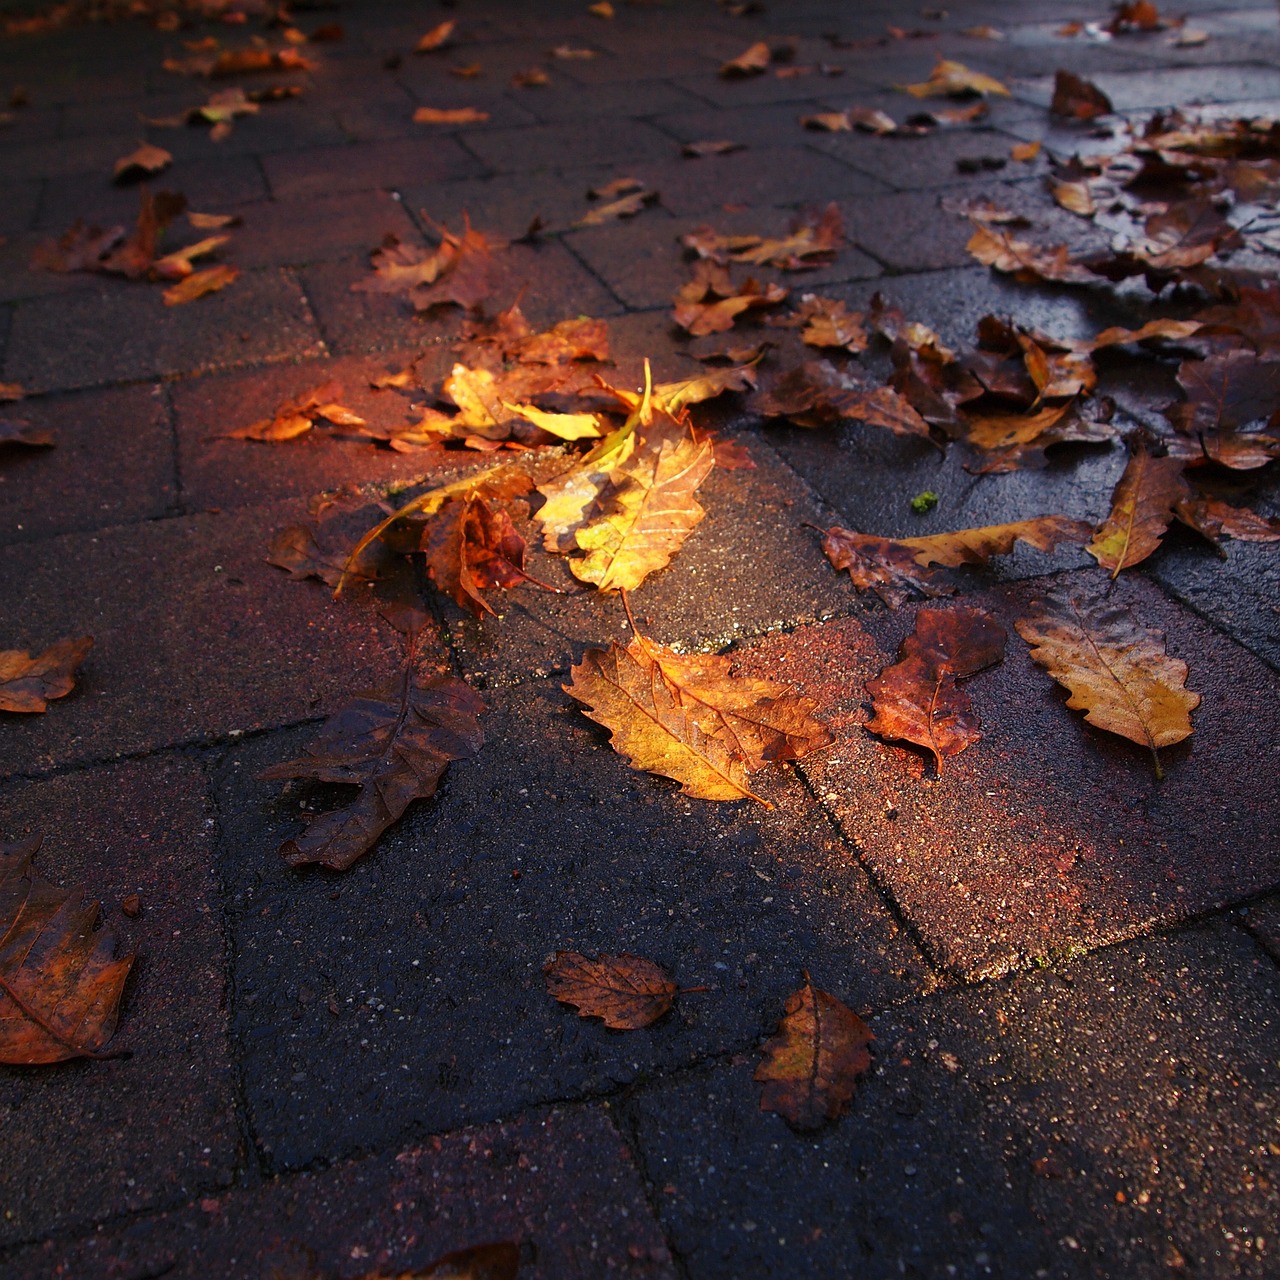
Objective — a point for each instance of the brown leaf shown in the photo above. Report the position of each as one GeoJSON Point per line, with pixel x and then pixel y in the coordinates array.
{"type": "Point", "coordinates": [829, 323]}
{"type": "Point", "coordinates": [813, 241]}
{"type": "Point", "coordinates": [977, 546]}
{"type": "Point", "coordinates": [436, 38]}
{"type": "Point", "coordinates": [1135, 15]}
{"type": "Point", "coordinates": [1216, 520]}
{"type": "Point", "coordinates": [626, 991]}
{"type": "Point", "coordinates": [1011, 441]}
{"type": "Point", "coordinates": [469, 548]}
{"type": "Point", "coordinates": [500, 1261]}
{"type": "Point", "coordinates": [297, 415]}
{"type": "Point", "coordinates": [304, 552]}
{"type": "Point", "coordinates": [178, 264]}
{"type": "Point", "coordinates": [816, 394]}
{"type": "Point", "coordinates": [811, 1064]}
{"type": "Point", "coordinates": [687, 717]}
{"type": "Point", "coordinates": [533, 78]}
{"type": "Point", "coordinates": [1027, 262]}
{"type": "Point", "coordinates": [1078, 99]}
{"type": "Point", "coordinates": [1117, 671]}
{"type": "Point", "coordinates": [28, 684]}
{"type": "Point", "coordinates": [699, 317]}
{"type": "Point", "coordinates": [393, 743]}
{"type": "Point", "coordinates": [449, 115]}
{"type": "Point", "coordinates": [466, 272]}
{"type": "Point", "coordinates": [16, 432]}
{"type": "Point", "coordinates": [1074, 197]}
{"type": "Point", "coordinates": [710, 147]}
{"type": "Point", "coordinates": [884, 566]}
{"type": "Point", "coordinates": [1226, 394]}
{"type": "Point", "coordinates": [955, 80]}
{"type": "Point", "coordinates": [753, 61]}
{"type": "Point", "coordinates": [60, 981]}
{"type": "Point", "coordinates": [10, 391]}
{"type": "Point", "coordinates": [1142, 508]}
{"type": "Point", "coordinates": [625, 207]}
{"type": "Point", "coordinates": [145, 162]}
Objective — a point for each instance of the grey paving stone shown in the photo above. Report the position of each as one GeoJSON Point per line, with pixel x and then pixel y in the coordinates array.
{"type": "Point", "coordinates": [389, 164]}
{"type": "Point", "coordinates": [546, 841]}
{"type": "Point", "coordinates": [637, 100]}
{"type": "Point", "coordinates": [159, 1126]}
{"type": "Point", "coordinates": [1005, 1130]}
{"type": "Point", "coordinates": [549, 146]}
{"type": "Point", "coordinates": [18, 202]}
{"type": "Point", "coordinates": [1170, 87]}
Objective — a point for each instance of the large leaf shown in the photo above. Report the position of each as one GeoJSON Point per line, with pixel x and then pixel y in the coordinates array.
{"type": "Point", "coordinates": [392, 742]}
{"type": "Point", "coordinates": [917, 699]}
{"type": "Point", "coordinates": [811, 1064]}
{"type": "Point", "coordinates": [1116, 670]}
{"type": "Point", "coordinates": [884, 566]}
{"type": "Point", "coordinates": [29, 684]}
{"type": "Point", "coordinates": [470, 547]}
{"type": "Point", "coordinates": [627, 992]}
{"type": "Point", "coordinates": [1142, 508]}
{"type": "Point", "coordinates": [977, 546]}
{"type": "Point", "coordinates": [60, 981]}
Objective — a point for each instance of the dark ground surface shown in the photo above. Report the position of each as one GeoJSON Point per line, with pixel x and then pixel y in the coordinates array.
{"type": "Point", "coordinates": [1071, 971]}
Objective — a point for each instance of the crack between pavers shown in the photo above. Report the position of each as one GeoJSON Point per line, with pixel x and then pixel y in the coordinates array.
{"type": "Point", "coordinates": [1170, 592]}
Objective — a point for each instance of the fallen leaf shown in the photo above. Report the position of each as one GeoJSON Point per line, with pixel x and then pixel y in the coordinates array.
{"type": "Point", "coordinates": [1190, 38]}
{"type": "Point", "coordinates": [16, 432]}
{"type": "Point", "coordinates": [687, 717]}
{"type": "Point", "coordinates": [834, 122]}
{"type": "Point", "coordinates": [1025, 152]}
{"type": "Point", "coordinates": [177, 265]}
{"type": "Point", "coordinates": [393, 743]}
{"type": "Point", "coordinates": [626, 207]}
{"type": "Point", "coordinates": [1116, 670]}
{"type": "Point", "coordinates": [816, 394]}
{"type": "Point", "coordinates": [977, 546]}
{"type": "Point", "coordinates": [699, 316]}
{"type": "Point", "coordinates": [10, 391]}
{"type": "Point", "coordinates": [145, 162]}
{"type": "Point", "coordinates": [626, 991]}
{"type": "Point", "coordinates": [532, 78]}
{"type": "Point", "coordinates": [884, 566]}
{"type": "Point", "coordinates": [469, 548]}
{"type": "Point", "coordinates": [60, 980]}
{"type": "Point", "coordinates": [710, 147]}
{"type": "Point", "coordinates": [1225, 394]}
{"type": "Point", "coordinates": [449, 115]}
{"type": "Point", "coordinates": [500, 1261]}
{"type": "Point", "coordinates": [436, 38]}
{"type": "Point", "coordinates": [472, 71]}
{"type": "Point", "coordinates": [1216, 520]}
{"type": "Point", "coordinates": [300, 550]}
{"type": "Point", "coordinates": [753, 61]}
{"type": "Point", "coordinates": [601, 9]}
{"type": "Point", "coordinates": [1027, 262]}
{"type": "Point", "coordinates": [1077, 98]}
{"type": "Point", "coordinates": [950, 79]}
{"type": "Point", "coordinates": [1135, 15]}
{"type": "Point", "coordinates": [982, 32]}
{"type": "Point", "coordinates": [569, 53]}
{"type": "Point", "coordinates": [829, 323]}
{"type": "Point", "coordinates": [297, 415]}
{"type": "Point", "coordinates": [1142, 508]}
{"type": "Point", "coordinates": [918, 699]}
{"type": "Point", "coordinates": [813, 240]}
{"type": "Point", "coordinates": [200, 283]}
{"type": "Point", "coordinates": [28, 684]}
{"type": "Point", "coordinates": [1164, 330]}
{"type": "Point", "coordinates": [811, 1063]}
{"type": "Point", "coordinates": [212, 221]}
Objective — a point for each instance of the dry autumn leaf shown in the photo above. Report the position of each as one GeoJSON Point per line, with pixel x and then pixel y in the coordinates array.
{"type": "Point", "coordinates": [14, 431]}
{"type": "Point", "coordinates": [1117, 671]}
{"type": "Point", "coordinates": [297, 415]}
{"type": "Point", "coordinates": [625, 207]}
{"type": "Point", "coordinates": [1078, 99]}
{"type": "Point", "coordinates": [625, 991]}
{"type": "Point", "coordinates": [28, 684]}
{"type": "Point", "coordinates": [752, 61]}
{"type": "Point", "coordinates": [1142, 508]}
{"type": "Point", "coordinates": [687, 717]}
{"type": "Point", "coordinates": [977, 546]}
{"type": "Point", "coordinates": [882, 565]}
{"type": "Point", "coordinates": [1215, 520]}
{"type": "Point", "coordinates": [811, 1064]}
{"type": "Point", "coordinates": [393, 743]}
{"type": "Point", "coordinates": [710, 147]}
{"type": "Point", "coordinates": [449, 115]}
{"type": "Point", "coordinates": [200, 283]}
{"type": "Point", "coordinates": [918, 699]}
{"type": "Point", "coordinates": [950, 79]}
{"type": "Point", "coordinates": [60, 980]}
{"type": "Point", "coordinates": [145, 162]}
{"type": "Point", "coordinates": [1025, 261]}
{"type": "Point", "coordinates": [436, 38]}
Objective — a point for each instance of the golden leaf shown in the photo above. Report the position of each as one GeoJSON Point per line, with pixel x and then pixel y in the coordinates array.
{"type": "Point", "coordinates": [1142, 507]}
{"type": "Point", "coordinates": [977, 546]}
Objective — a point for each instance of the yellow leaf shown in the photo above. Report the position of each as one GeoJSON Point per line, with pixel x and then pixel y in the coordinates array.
{"type": "Point", "coordinates": [449, 115]}
{"type": "Point", "coordinates": [954, 79]}
{"type": "Point", "coordinates": [568, 426]}
{"type": "Point", "coordinates": [977, 546]}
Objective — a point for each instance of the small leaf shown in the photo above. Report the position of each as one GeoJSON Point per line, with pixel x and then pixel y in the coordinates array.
{"type": "Point", "coordinates": [436, 38]}
{"type": "Point", "coordinates": [753, 61]}
{"type": "Point", "coordinates": [811, 1064]}
{"type": "Point", "coordinates": [884, 566]}
{"type": "Point", "coordinates": [1216, 520]}
{"type": "Point", "coordinates": [145, 162]}
{"type": "Point", "coordinates": [28, 684]}
{"type": "Point", "coordinates": [200, 283]}
{"type": "Point", "coordinates": [449, 115]}
{"type": "Point", "coordinates": [1027, 262]}
{"type": "Point", "coordinates": [1078, 99]}
{"type": "Point", "coordinates": [954, 79]}
{"type": "Point", "coordinates": [626, 991]}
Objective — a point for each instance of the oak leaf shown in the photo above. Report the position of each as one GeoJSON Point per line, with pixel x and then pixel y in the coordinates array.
{"type": "Point", "coordinates": [1116, 670]}
{"type": "Point", "coordinates": [393, 743]}
{"type": "Point", "coordinates": [977, 546]}
{"type": "Point", "coordinates": [1142, 507]}
{"type": "Point", "coordinates": [1077, 98]}
{"type": "Point", "coordinates": [60, 980]}
{"type": "Point", "coordinates": [918, 699]}
{"type": "Point", "coordinates": [953, 79]}
{"type": "Point", "coordinates": [29, 683]}
{"type": "Point", "coordinates": [627, 992]}
{"type": "Point", "coordinates": [811, 1064]}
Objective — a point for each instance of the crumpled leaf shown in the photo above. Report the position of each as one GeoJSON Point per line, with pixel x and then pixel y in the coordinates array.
{"type": "Point", "coordinates": [200, 283]}
{"type": "Point", "coordinates": [687, 717]}
{"type": "Point", "coordinates": [1226, 394]}
{"type": "Point", "coordinates": [1116, 670]}
{"type": "Point", "coordinates": [977, 546]}
{"type": "Point", "coordinates": [627, 992]}
{"type": "Point", "coordinates": [29, 684]}
{"type": "Point", "coordinates": [816, 393]}
{"type": "Point", "coordinates": [60, 980]}
{"type": "Point", "coordinates": [1025, 261]}
{"type": "Point", "coordinates": [1077, 98]}
{"type": "Point", "coordinates": [700, 317]}
{"type": "Point", "coordinates": [887, 567]}
{"type": "Point", "coordinates": [1011, 441]}
{"type": "Point", "coordinates": [917, 699]}
{"type": "Point", "coordinates": [393, 743]}
{"type": "Point", "coordinates": [950, 79]}
{"type": "Point", "coordinates": [813, 241]}
{"type": "Point", "coordinates": [297, 415]}
{"type": "Point", "coordinates": [469, 548]}
{"type": "Point", "coordinates": [1215, 520]}
{"type": "Point", "coordinates": [1142, 507]}
{"type": "Point", "coordinates": [829, 323]}
{"type": "Point", "coordinates": [811, 1064]}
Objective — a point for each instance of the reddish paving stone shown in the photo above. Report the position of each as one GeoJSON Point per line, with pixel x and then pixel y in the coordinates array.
{"type": "Point", "coordinates": [322, 171]}
{"type": "Point", "coordinates": [113, 463]}
{"type": "Point", "coordinates": [361, 323]}
{"type": "Point", "coordinates": [560, 1184]}
{"type": "Point", "coordinates": [1262, 919]}
{"type": "Point", "coordinates": [196, 637]}
{"type": "Point", "coordinates": [91, 158]}
{"type": "Point", "coordinates": [1049, 836]}
{"type": "Point", "coordinates": [121, 331]}
{"type": "Point", "coordinates": [635, 100]}
{"type": "Point", "coordinates": [551, 146]}
{"type": "Point", "coordinates": [86, 1141]}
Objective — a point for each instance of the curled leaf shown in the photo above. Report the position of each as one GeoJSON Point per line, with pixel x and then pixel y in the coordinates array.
{"type": "Point", "coordinates": [625, 991]}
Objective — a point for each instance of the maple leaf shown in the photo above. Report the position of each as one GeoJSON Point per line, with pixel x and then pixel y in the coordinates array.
{"type": "Point", "coordinates": [29, 684]}
{"type": "Point", "coordinates": [811, 1064]}
{"type": "Point", "coordinates": [829, 323]}
{"type": "Point", "coordinates": [449, 115]}
{"type": "Point", "coordinates": [753, 61]}
{"type": "Point", "coordinates": [60, 981]}
{"type": "Point", "coordinates": [918, 699]}
{"type": "Point", "coordinates": [200, 283]}
{"type": "Point", "coordinates": [465, 277]}
{"type": "Point", "coordinates": [626, 991]}
{"type": "Point", "coordinates": [1215, 520]}
{"type": "Point", "coordinates": [304, 551]}
{"type": "Point", "coordinates": [297, 415]}
{"type": "Point", "coordinates": [436, 38]}
{"type": "Point", "coordinates": [145, 162]}
{"type": "Point", "coordinates": [1117, 671]}
{"type": "Point", "coordinates": [393, 743]}
{"type": "Point", "coordinates": [887, 567]}
{"type": "Point", "coordinates": [689, 718]}
{"type": "Point", "coordinates": [950, 79]}
{"type": "Point", "coordinates": [1142, 508]}
{"type": "Point", "coordinates": [16, 432]}
{"type": "Point", "coordinates": [977, 546]}
{"type": "Point", "coordinates": [700, 317]}
{"type": "Point", "coordinates": [1026, 262]}
{"type": "Point", "coordinates": [1077, 98]}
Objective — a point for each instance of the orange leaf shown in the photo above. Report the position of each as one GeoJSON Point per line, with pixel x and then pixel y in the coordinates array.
{"type": "Point", "coordinates": [1142, 507]}
{"type": "Point", "coordinates": [145, 162]}
{"type": "Point", "coordinates": [199, 283]}
{"type": "Point", "coordinates": [29, 684]}
{"type": "Point", "coordinates": [884, 566]}
{"type": "Point", "coordinates": [449, 115]}
{"type": "Point", "coordinates": [626, 991]}
{"type": "Point", "coordinates": [751, 62]}
{"type": "Point", "coordinates": [436, 38]}
{"type": "Point", "coordinates": [811, 1064]}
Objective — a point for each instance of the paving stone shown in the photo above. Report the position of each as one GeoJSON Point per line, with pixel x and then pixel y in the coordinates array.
{"type": "Point", "coordinates": [1262, 919]}
{"type": "Point", "coordinates": [774, 124]}
{"type": "Point", "coordinates": [160, 671]}
{"type": "Point", "coordinates": [390, 164]}
{"type": "Point", "coordinates": [546, 841]}
{"type": "Point", "coordinates": [18, 201]}
{"type": "Point", "coordinates": [292, 125]}
{"type": "Point", "coordinates": [636, 100]}
{"type": "Point", "coordinates": [1005, 1130]}
{"type": "Point", "coordinates": [559, 1183]}
{"type": "Point", "coordinates": [123, 330]}
{"type": "Point", "coordinates": [20, 277]}
{"type": "Point", "coordinates": [1048, 835]}
{"type": "Point", "coordinates": [113, 463]}
{"type": "Point", "coordinates": [547, 146]}
{"type": "Point", "coordinates": [361, 323]}
{"type": "Point", "coordinates": [86, 1141]}
{"type": "Point", "coordinates": [86, 157]}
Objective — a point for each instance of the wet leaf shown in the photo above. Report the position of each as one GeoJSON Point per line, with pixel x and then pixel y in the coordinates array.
{"type": "Point", "coordinates": [1078, 99]}
{"type": "Point", "coordinates": [829, 323]}
{"type": "Point", "coordinates": [449, 115]}
{"type": "Point", "coordinates": [816, 394]}
{"type": "Point", "coordinates": [884, 566]}
{"type": "Point", "coordinates": [626, 991]}
{"type": "Point", "coordinates": [753, 61]}
{"type": "Point", "coordinates": [1117, 671]}
{"type": "Point", "coordinates": [1226, 394]}
{"type": "Point", "coordinates": [702, 308]}
{"type": "Point", "coordinates": [1027, 262]}
{"type": "Point", "coordinates": [178, 264]}
{"type": "Point", "coordinates": [1012, 441]}
{"type": "Point", "coordinates": [1135, 15]}
{"type": "Point", "coordinates": [145, 162]}
{"type": "Point", "coordinates": [28, 684]}
{"type": "Point", "coordinates": [393, 743]}
{"type": "Point", "coordinates": [305, 552]}
{"type": "Point", "coordinates": [1216, 520]}
{"type": "Point", "coordinates": [60, 980]}
{"type": "Point", "coordinates": [918, 699]}
{"type": "Point", "coordinates": [813, 241]}
{"type": "Point", "coordinates": [811, 1064]}
{"type": "Point", "coordinates": [977, 546]}
{"type": "Point", "coordinates": [1142, 508]}
{"type": "Point", "coordinates": [950, 79]}
{"type": "Point", "coordinates": [436, 38]}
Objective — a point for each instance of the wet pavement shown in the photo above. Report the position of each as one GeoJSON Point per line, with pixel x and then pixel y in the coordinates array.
{"type": "Point", "coordinates": [1072, 971]}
